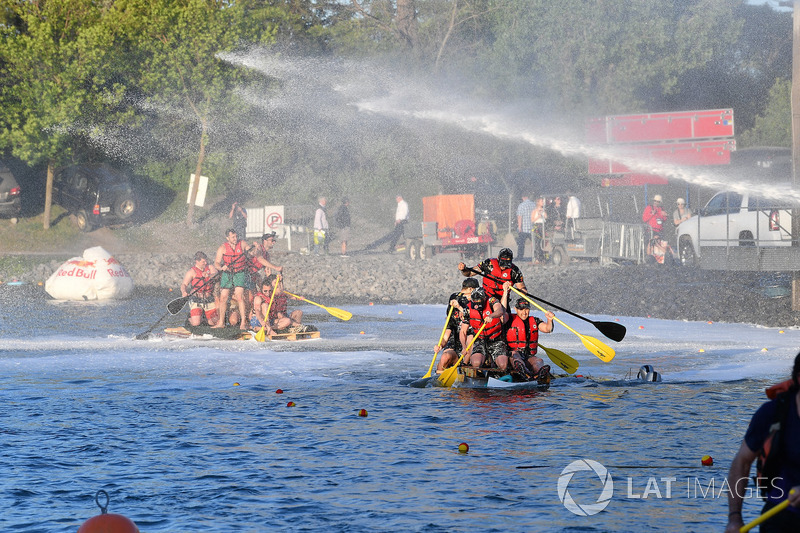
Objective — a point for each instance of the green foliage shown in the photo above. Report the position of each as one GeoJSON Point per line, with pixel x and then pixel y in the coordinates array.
{"type": "Point", "coordinates": [774, 127]}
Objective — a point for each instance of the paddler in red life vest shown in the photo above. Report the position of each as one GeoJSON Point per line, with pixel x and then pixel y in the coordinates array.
{"type": "Point", "coordinates": [451, 341]}
{"type": "Point", "coordinates": [279, 320]}
{"type": "Point", "coordinates": [501, 268]}
{"type": "Point", "coordinates": [231, 261]}
{"type": "Point", "coordinates": [484, 309]}
{"type": "Point", "coordinates": [259, 259]}
{"type": "Point", "coordinates": [197, 282]}
{"type": "Point", "coordinates": [773, 437]}
{"type": "Point", "coordinates": [522, 338]}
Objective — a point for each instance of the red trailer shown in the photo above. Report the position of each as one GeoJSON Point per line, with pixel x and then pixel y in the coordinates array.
{"type": "Point", "coordinates": [448, 224]}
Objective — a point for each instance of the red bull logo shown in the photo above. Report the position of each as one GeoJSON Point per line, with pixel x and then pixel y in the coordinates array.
{"type": "Point", "coordinates": [78, 272]}
{"type": "Point", "coordinates": [112, 261]}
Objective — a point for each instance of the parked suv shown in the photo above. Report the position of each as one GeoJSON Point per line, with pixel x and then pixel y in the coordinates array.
{"type": "Point", "coordinates": [733, 219]}
{"type": "Point", "coordinates": [96, 194]}
{"type": "Point", "coordinates": [10, 204]}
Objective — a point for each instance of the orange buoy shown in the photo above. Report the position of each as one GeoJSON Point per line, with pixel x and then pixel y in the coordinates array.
{"type": "Point", "coordinates": [108, 523]}
{"type": "Point", "coordinates": [105, 522]}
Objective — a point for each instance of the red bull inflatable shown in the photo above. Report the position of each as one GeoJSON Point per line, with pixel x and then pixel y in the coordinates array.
{"type": "Point", "coordinates": [95, 276]}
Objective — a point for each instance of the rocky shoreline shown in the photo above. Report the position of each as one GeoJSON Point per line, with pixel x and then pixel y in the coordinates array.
{"type": "Point", "coordinates": [671, 293]}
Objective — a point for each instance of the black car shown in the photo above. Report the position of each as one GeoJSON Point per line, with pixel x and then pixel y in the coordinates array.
{"type": "Point", "coordinates": [10, 204]}
{"type": "Point", "coordinates": [97, 195]}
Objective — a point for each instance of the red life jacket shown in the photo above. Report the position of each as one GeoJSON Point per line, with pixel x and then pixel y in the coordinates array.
{"type": "Point", "coordinates": [255, 266]}
{"type": "Point", "coordinates": [201, 287]}
{"type": "Point", "coordinates": [768, 457]}
{"type": "Point", "coordinates": [278, 305]}
{"type": "Point", "coordinates": [492, 287]}
{"type": "Point", "coordinates": [523, 335]}
{"type": "Point", "coordinates": [493, 329]}
{"type": "Point", "coordinates": [234, 257]}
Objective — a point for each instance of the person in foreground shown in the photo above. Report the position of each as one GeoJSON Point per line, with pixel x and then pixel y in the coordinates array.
{"type": "Point", "coordinates": [279, 320]}
{"type": "Point", "coordinates": [199, 282]}
{"type": "Point", "coordinates": [231, 260]}
{"type": "Point", "coordinates": [490, 345]}
{"type": "Point", "coordinates": [522, 337]}
{"type": "Point", "coordinates": [773, 437]}
{"type": "Point", "coordinates": [451, 341]}
{"type": "Point", "coordinates": [501, 268]}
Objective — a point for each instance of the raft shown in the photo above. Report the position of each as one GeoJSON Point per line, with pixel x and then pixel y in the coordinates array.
{"type": "Point", "coordinates": [479, 378]}
{"type": "Point", "coordinates": [232, 333]}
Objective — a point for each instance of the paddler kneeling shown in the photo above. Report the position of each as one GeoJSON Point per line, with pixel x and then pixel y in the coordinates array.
{"type": "Point", "coordinates": [278, 320]}
{"type": "Point", "coordinates": [522, 337]}
{"type": "Point", "coordinates": [451, 340]}
{"type": "Point", "coordinates": [490, 344]}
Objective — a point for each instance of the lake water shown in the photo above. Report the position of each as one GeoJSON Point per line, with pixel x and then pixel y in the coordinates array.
{"type": "Point", "coordinates": [192, 436]}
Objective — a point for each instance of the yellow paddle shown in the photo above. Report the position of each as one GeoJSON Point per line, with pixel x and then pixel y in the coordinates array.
{"type": "Point", "coordinates": [446, 322]}
{"type": "Point", "coordinates": [563, 360]}
{"type": "Point", "coordinates": [596, 346]}
{"type": "Point", "coordinates": [448, 377]}
{"type": "Point", "coordinates": [261, 336]}
{"type": "Point", "coordinates": [341, 314]}
{"type": "Point", "coordinates": [766, 516]}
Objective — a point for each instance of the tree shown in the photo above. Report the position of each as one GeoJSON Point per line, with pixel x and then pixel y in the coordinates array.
{"type": "Point", "coordinates": [774, 126]}
{"type": "Point", "coordinates": [179, 70]}
{"type": "Point", "coordinates": [604, 56]}
{"type": "Point", "coordinates": [57, 83]}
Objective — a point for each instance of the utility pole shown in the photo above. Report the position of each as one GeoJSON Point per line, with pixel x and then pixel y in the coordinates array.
{"type": "Point", "coordinates": [795, 142]}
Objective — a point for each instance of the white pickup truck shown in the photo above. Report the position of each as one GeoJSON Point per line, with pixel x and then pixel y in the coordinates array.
{"type": "Point", "coordinates": [733, 219]}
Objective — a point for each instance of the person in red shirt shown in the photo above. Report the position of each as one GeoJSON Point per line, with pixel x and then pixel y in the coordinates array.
{"type": "Point", "coordinates": [654, 215]}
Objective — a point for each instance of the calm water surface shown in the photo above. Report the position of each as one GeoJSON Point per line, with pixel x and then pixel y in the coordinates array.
{"type": "Point", "coordinates": [192, 436]}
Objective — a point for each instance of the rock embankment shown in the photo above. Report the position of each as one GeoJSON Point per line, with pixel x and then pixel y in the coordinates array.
{"type": "Point", "coordinates": [672, 293]}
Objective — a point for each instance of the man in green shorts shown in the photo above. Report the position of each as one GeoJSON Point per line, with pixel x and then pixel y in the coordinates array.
{"type": "Point", "coordinates": [231, 261]}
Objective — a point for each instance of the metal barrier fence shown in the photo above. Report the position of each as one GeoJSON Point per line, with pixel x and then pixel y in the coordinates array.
{"type": "Point", "coordinates": [623, 242]}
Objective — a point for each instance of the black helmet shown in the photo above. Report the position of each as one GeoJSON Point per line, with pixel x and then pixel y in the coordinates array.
{"type": "Point", "coordinates": [470, 283]}
{"type": "Point", "coordinates": [462, 301]}
{"type": "Point", "coordinates": [522, 303]}
{"type": "Point", "coordinates": [505, 257]}
{"type": "Point", "coordinates": [478, 295]}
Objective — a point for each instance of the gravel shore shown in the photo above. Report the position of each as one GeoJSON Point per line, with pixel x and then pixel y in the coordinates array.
{"type": "Point", "coordinates": [672, 293]}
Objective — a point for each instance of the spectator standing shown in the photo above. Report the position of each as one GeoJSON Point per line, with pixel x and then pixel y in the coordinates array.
{"type": "Point", "coordinates": [681, 213]}
{"type": "Point", "coordinates": [654, 215]}
{"type": "Point", "coordinates": [538, 220]}
{"type": "Point", "coordinates": [342, 220]}
{"type": "Point", "coordinates": [321, 227]}
{"type": "Point", "coordinates": [523, 224]}
{"type": "Point", "coordinates": [400, 221]}
{"type": "Point", "coordinates": [556, 215]}
{"type": "Point", "coordinates": [573, 212]}
{"type": "Point", "coordinates": [239, 216]}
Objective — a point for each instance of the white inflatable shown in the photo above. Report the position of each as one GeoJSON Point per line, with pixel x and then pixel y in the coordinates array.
{"type": "Point", "coordinates": [95, 276]}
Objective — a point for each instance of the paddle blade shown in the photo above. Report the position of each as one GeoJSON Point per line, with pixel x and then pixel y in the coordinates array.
{"type": "Point", "coordinates": [341, 314]}
{"type": "Point", "coordinates": [604, 352]}
{"type": "Point", "coordinates": [261, 335]}
{"type": "Point", "coordinates": [567, 363]}
{"type": "Point", "coordinates": [613, 330]}
{"type": "Point", "coordinates": [448, 377]}
{"type": "Point", "coordinates": [175, 306]}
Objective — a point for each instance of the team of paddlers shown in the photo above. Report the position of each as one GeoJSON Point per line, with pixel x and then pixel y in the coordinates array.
{"type": "Point", "coordinates": [242, 288]}
{"type": "Point", "coordinates": [495, 336]}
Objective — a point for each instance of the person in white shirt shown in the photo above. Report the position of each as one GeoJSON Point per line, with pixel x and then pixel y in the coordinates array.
{"type": "Point", "coordinates": [400, 221]}
{"type": "Point", "coordinates": [320, 227]}
{"type": "Point", "coordinates": [573, 212]}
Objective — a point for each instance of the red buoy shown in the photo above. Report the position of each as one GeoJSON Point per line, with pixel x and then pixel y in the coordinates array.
{"type": "Point", "coordinates": [105, 522]}
{"type": "Point", "coordinates": [109, 523]}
